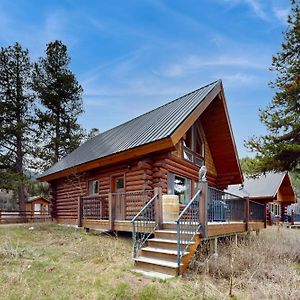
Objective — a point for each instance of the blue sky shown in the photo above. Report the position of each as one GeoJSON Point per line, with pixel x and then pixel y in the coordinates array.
{"type": "Point", "coordinates": [132, 56]}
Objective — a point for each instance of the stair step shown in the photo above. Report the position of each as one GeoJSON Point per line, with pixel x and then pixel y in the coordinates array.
{"type": "Point", "coordinates": [155, 261]}
{"type": "Point", "coordinates": [171, 234]}
{"type": "Point", "coordinates": [168, 244]}
{"type": "Point", "coordinates": [170, 241]}
{"type": "Point", "coordinates": [153, 274]}
{"type": "Point", "coordinates": [161, 253]}
{"type": "Point", "coordinates": [162, 250]}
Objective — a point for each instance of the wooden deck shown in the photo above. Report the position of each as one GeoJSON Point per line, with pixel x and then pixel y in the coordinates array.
{"type": "Point", "coordinates": [214, 229]}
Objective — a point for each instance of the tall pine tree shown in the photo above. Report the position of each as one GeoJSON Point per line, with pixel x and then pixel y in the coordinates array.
{"type": "Point", "coordinates": [16, 105]}
{"type": "Point", "coordinates": [280, 149]}
{"type": "Point", "coordinates": [60, 97]}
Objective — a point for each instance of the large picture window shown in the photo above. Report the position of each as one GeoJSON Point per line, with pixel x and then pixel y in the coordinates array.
{"type": "Point", "coordinates": [193, 146]}
{"type": "Point", "coordinates": [180, 186]}
{"type": "Point", "coordinates": [93, 187]}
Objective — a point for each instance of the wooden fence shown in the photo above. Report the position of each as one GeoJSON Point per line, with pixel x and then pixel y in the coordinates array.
{"type": "Point", "coordinates": [16, 216]}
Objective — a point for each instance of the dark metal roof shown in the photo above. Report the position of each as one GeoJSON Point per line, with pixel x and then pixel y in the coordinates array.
{"type": "Point", "coordinates": [266, 185]}
{"type": "Point", "coordinates": [147, 128]}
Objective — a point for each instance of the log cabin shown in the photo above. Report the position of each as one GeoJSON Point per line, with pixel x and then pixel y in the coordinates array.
{"type": "Point", "coordinates": [135, 176]}
{"type": "Point", "coordinates": [38, 206]}
{"type": "Point", "coordinates": [272, 189]}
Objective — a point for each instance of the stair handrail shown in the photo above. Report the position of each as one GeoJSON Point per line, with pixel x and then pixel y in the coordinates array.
{"type": "Point", "coordinates": [145, 225]}
{"type": "Point", "coordinates": [192, 226]}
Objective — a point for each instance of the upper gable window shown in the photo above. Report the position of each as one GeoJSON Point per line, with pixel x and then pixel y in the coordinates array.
{"type": "Point", "coordinates": [193, 146]}
{"type": "Point", "coordinates": [93, 187]}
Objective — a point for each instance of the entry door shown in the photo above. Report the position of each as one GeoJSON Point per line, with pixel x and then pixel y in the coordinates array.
{"type": "Point", "coordinates": [120, 197]}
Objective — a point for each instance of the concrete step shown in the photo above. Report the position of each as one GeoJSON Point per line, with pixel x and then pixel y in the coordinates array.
{"type": "Point", "coordinates": [157, 265]}
{"type": "Point", "coordinates": [153, 274]}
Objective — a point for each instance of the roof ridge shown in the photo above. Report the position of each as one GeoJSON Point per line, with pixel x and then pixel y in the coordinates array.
{"type": "Point", "coordinates": [148, 112]}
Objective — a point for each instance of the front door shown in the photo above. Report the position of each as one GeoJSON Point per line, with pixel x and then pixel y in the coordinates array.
{"type": "Point", "coordinates": [118, 184]}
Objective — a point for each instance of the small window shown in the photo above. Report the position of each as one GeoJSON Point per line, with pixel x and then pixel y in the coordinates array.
{"type": "Point", "coordinates": [180, 186]}
{"type": "Point", "coordinates": [120, 183]}
{"type": "Point", "coordinates": [93, 187]}
{"type": "Point", "coordinates": [193, 146]}
{"type": "Point", "coordinates": [37, 208]}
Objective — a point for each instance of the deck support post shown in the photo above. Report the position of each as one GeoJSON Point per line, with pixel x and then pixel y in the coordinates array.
{"type": "Point", "coordinates": [247, 213]}
{"type": "Point", "coordinates": [236, 239]}
{"type": "Point", "coordinates": [158, 206]}
{"type": "Point", "coordinates": [214, 247]}
{"type": "Point", "coordinates": [203, 207]}
{"type": "Point", "coordinates": [292, 217]}
{"type": "Point", "coordinates": [80, 211]}
{"type": "Point", "coordinates": [0, 215]}
{"type": "Point", "coordinates": [265, 216]}
{"type": "Point", "coordinates": [111, 207]}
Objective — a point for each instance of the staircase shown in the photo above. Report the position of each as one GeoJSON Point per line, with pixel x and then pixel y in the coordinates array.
{"type": "Point", "coordinates": [159, 258]}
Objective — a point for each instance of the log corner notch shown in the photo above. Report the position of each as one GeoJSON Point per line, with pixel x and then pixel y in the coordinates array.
{"type": "Point", "coordinates": [80, 211]}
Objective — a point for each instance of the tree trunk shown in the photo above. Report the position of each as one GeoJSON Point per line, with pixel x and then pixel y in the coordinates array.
{"type": "Point", "coordinates": [19, 152]}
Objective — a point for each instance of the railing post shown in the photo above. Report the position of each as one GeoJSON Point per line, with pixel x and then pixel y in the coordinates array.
{"type": "Point", "coordinates": [0, 215]}
{"type": "Point", "coordinates": [203, 186]}
{"type": "Point", "coordinates": [247, 208]}
{"type": "Point", "coordinates": [265, 215]}
{"type": "Point", "coordinates": [158, 206]}
{"type": "Point", "coordinates": [112, 205]}
{"type": "Point", "coordinates": [292, 217]}
{"type": "Point", "coordinates": [80, 211]}
{"type": "Point", "coordinates": [203, 207]}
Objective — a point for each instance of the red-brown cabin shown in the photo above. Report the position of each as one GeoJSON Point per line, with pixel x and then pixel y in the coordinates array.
{"type": "Point", "coordinates": [131, 177]}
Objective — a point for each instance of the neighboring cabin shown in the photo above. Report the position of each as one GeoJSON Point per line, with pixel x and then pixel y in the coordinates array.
{"type": "Point", "coordinates": [38, 205]}
{"type": "Point", "coordinates": [274, 189]}
{"type": "Point", "coordinates": [163, 148]}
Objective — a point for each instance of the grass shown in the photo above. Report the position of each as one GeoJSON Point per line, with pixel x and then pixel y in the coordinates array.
{"type": "Point", "coordinates": [56, 262]}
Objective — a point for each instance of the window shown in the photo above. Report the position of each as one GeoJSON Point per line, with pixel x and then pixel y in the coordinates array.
{"type": "Point", "coordinates": [37, 208]}
{"type": "Point", "coordinates": [120, 183]}
{"type": "Point", "coordinates": [93, 187]}
{"type": "Point", "coordinates": [180, 186]}
{"type": "Point", "coordinates": [193, 146]}
{"type": "Point", "coordinates": [275, 209]}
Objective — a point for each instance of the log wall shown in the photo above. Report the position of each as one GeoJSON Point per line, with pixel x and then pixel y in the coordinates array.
{"type": "Point", "coordinates": [141, 174]}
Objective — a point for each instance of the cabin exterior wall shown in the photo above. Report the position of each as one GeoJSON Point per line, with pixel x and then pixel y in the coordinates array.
{"type": "Point", "coordinates": [144, 173]}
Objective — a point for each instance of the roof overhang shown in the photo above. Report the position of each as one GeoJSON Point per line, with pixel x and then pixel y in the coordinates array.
{"type": "Point", "coordinates": [112, 159]}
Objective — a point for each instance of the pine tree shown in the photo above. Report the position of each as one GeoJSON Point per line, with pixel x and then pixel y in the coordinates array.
{"type": "Point", "coordinates": [60, 96]}
{"type": "Point", "coordinates": [280, 148]}
{"type": "Point", "coordinates": [16, 105]}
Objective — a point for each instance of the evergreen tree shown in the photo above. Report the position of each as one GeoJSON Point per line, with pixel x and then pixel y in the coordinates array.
{"type": "Point", "coordinates": [16, 105]}
{"type": "Point", "coordinates": [280, 148]}
{"type": "Point", "coordinates": [60, 95]}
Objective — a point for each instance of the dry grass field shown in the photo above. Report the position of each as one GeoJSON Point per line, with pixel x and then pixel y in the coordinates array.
{"type": "Point", "coordinates": [55, 262]}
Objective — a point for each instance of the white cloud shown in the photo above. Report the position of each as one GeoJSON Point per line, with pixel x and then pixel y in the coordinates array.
{"type": "Point", "coordinates": [194, 63]}
{"type": "Point", "coordinates": [281, 14]}
{"type": "Point", "coordinates": [237, 78]}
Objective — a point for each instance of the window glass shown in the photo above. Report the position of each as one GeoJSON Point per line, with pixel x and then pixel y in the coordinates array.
{"type": "Point", "coordinates": [180, 186]}
{"type": "Point", "coordinates": [93, 187]}
{"type": "Point", "coordinates": [193, 149]}
{"type": "Point", "coordinates": [188, 138]}
{"type": "Point", "coordinates": [37, 208]}
{"type": "Point", "coordinates": [120, 183]}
